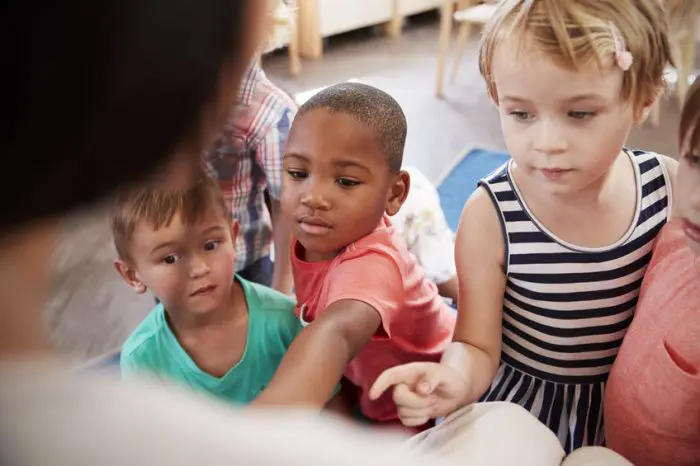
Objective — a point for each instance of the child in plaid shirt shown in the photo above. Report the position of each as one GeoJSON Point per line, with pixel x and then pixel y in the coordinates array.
{"type": "Point", "coordinates": [246, 159]}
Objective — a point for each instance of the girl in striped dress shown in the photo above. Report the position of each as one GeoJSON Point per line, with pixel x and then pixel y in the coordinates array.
{"type": "Point", "coordinates": [552, 247]}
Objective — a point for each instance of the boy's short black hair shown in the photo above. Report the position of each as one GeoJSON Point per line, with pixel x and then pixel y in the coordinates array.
{"type": "Point", "coordinates": [370, 106]}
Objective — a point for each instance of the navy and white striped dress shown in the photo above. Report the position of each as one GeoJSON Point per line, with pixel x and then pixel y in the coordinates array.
{"type": "Point", "coordinates": [567, 308]}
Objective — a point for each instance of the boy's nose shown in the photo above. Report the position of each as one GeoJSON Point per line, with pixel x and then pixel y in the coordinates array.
{"type": "Point", "coordinates": [314, 199]}
{"type": "Point", "coordinates": [198, 267]}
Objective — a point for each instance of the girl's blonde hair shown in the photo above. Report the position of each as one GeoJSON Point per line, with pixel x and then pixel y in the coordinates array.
{"type": "Point", "coordinates": [576, 33]}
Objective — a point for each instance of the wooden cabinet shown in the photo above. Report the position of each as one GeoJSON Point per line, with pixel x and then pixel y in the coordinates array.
{"type": "Point", "coordinates": [338, 16]}
{"type": "Point", "coordinates": [411, 7]}
{"type": "Point", "coordinates": [318, 19]}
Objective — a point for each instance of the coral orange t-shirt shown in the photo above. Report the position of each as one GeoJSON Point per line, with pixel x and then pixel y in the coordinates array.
{"type": "Point", "coordinates": [652, 399]}
{"type": "Point", "coordinates": [378, 270]}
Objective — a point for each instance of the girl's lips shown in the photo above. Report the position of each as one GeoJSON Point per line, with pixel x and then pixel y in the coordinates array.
{"type": "Point", "coordinates": [554, 173]}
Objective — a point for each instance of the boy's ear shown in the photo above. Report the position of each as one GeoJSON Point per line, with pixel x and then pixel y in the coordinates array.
{"type": "Point", "coordinates": [130, 276]}
{"type": "Point", "coordinates": [399, 192]}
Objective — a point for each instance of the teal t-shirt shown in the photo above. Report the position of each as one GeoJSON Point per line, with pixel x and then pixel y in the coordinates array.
{"type": "Point", "coordinates": [272, 325]}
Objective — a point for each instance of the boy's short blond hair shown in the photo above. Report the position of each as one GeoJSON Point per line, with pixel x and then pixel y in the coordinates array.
{"type": "Point", "coordinates": [577, 33]}
{"type": "Point", "coordinates": [156, 203]}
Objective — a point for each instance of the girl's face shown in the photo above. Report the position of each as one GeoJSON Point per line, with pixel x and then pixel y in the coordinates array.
{"type": "Point", "coordinates": [687, 197]}
{"type": "Point", "coordinates": [564, 128]}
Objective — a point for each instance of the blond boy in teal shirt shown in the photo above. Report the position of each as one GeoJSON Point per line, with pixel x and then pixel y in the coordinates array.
{"type": "Point", "coordinates": [212, 331]}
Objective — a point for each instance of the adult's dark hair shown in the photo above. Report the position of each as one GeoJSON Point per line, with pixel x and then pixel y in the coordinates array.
{"type": "Point", "coordinates": [98, 93]}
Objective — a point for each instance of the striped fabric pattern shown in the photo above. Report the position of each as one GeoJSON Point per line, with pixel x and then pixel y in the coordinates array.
{"type": "Point", "coordinates": [567, 308]}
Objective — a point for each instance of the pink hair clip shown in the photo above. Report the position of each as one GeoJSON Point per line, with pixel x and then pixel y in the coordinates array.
{"type": "Point", "coordinates": [623, 57]}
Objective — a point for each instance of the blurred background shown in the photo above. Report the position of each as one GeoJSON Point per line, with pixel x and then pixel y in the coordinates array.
{"type": "Point", "coordinates": [423, 52]}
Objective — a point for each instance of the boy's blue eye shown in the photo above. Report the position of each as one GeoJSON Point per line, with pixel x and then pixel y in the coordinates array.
{"type": "Point", "coordinates": [693, 159]}
{"type": "Point", "coordinates": [211, 245]}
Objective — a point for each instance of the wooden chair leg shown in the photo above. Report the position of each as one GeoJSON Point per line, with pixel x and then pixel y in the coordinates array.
{"type": "Point", "coordinates": [293, 50]}
{"type": "Point", "coordinates": [682, 73]}
{"type": "Point", "coordinates": [464, 31]}
{"type": "Point", "coordinates": [687, 59]}
{"type": "Point", "coordinates": [444, 44]}
{"type": "Point", "coordinates": [310, 40]}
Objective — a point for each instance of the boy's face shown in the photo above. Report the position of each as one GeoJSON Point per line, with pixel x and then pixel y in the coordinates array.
{"type": "Point", "coordinates": [188, 267]}
{"type": "Point", "coordinates": [563, 128]}
{"type": "Point", "coordinates": [336, 184]}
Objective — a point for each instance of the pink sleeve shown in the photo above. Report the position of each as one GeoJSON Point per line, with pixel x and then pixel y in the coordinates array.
{"type": "Point", "coordinates": [374, 279]}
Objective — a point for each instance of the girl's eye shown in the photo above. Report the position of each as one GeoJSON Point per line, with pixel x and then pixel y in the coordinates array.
{"type": "Point", "coordinates": [297, 174]}
{"type": "Point", "coordinates": [211, 245]}
{"type": "Point", "coordinates": [347, 183]}
{"type": "Point", "coordinates": [579, 115]}
{"type": "Point", "coordinates": [521, 116]}
{"type": "Point", "coordinates": [693, 159]}
{"type": "Point", "coordinates": [170, 259]}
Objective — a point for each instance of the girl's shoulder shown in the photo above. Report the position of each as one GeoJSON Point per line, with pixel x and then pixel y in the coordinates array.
{"type": "Point", "coordinates": [670, 280]}
{"type": "Point", "coordinates": [671, 258]}
{"type": "Point", "coordinates": [670, 242]}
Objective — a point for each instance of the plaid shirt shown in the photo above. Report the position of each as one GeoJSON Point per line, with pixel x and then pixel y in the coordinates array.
{"type": "Point", "coordinates": [247, 160]}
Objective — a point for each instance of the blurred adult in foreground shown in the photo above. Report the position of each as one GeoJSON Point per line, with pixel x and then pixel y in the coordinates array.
{"type": "Point", "coordinates": [101, 94]}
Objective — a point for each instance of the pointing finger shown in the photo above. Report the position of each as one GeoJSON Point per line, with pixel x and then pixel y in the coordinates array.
{"type": "Point", "coordinates": [407, 374]}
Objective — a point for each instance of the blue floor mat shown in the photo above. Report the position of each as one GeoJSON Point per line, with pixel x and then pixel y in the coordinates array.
{"type": "Point", "coordinates": [462, 180]}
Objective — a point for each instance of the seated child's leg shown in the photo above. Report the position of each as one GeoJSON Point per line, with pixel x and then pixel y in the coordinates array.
{"type": "Point", "coordinates": [490, 434]}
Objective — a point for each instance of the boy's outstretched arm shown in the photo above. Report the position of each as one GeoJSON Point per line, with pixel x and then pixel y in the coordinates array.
{"type": "Point", "coordinates": [428, 390]}
{"type": "Point", "coordinates": [316, 360]}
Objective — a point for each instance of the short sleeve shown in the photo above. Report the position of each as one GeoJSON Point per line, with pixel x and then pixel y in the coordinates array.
{"type": "Point", "coordinates": [130, 365]}
{"type": "Point", "coordinates": [374, 279]}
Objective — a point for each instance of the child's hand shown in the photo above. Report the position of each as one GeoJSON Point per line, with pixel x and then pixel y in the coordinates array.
{"type": "Point", "coordinates": [423, 390]}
